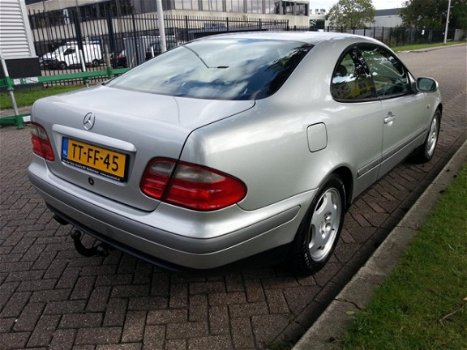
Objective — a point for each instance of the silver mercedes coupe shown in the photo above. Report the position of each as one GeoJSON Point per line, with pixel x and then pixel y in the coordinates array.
{"type": "Point", "coordinates": [231, 145]}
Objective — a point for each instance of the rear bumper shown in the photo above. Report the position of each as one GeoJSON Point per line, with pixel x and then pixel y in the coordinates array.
{"type": "Point", "coordinates": [191, 240]}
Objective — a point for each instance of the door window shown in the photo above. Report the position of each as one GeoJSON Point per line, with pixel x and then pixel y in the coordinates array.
{"type": "Point", "coordinates": [389, 74]}
{"type": "Point", "coordinates": [69, 51]}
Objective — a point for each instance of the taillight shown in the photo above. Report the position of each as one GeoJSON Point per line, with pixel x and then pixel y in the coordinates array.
{"type": "Point", "coordinates": [40, 142]}
{"type": "Point", "coordinates": [157, 176]}
{"type": "Point", "coordinates": [191, 186]}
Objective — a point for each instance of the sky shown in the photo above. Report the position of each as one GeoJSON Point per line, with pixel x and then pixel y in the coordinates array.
{"type": "Point", "coordinates": [378, 4]}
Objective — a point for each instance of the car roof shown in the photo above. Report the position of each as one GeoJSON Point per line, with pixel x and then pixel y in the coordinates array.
{"type": "Point", "coordinates": [312, 38]}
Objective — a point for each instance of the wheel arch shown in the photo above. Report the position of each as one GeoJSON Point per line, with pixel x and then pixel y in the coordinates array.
{"type": "Point", "coordinates": [440, 107]}
{"type": "Point", "coordinates": [345, 174]}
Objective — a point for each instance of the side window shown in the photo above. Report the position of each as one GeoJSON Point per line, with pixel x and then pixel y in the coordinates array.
{"type": "Point", "coordinates": [390, 77]}
{"type": "Point", "coordinates": [69, 51]}
{"type": "Point", "coordinates": [351, 81]}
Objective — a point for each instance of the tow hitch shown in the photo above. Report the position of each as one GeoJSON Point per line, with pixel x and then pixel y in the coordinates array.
{"type": "Point", "coordinates": [102, 249]}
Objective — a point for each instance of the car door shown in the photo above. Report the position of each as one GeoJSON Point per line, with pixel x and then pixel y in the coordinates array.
{"type": "Point", "coordinates": [403, 108]}
{"type": "Point", "coordinates": [71, 56]}
{"type": "Point", "coordinates": [359, 116]}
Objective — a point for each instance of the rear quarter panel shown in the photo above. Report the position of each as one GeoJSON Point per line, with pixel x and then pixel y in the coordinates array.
{"type": "Point", "coordinates": [267, 146]}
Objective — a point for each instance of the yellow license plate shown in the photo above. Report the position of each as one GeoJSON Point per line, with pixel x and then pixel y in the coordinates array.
{"type": "Point", "coordinates": [95, 159]}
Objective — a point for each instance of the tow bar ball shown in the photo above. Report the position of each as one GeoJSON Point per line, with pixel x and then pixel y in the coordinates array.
{"type": "Point", "coordinates": [100, 249]}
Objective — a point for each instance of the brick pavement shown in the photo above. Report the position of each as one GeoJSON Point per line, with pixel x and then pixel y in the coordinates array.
{"type": "Point", "coordinates": [51, 297]}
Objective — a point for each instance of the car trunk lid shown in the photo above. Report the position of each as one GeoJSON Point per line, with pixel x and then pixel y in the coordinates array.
{"type": "Point", "coordinates": [104, 137]}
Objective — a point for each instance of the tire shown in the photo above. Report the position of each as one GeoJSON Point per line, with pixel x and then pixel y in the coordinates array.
{"type": "Point", "coordinates": [95, 63]}
{"type": "Point", "coordinates": [320, 229]}
{"type": "Point", "coordinates": [425, 152]}
{"type": "Point", "coordinates": [62, 65]}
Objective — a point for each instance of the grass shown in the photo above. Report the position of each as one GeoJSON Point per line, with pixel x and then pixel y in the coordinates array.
{"type": "Point", "coordinates": [423, 303]}
{"type": "Point", "coordinates": [27, 96]}
{"type": "Point", "coordinates": [425, 46]}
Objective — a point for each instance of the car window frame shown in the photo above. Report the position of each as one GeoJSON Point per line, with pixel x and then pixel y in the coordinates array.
{"type": "Point", "coordinates": [410, 78]}
{"type": "Point", "coordinates": [375, 97]}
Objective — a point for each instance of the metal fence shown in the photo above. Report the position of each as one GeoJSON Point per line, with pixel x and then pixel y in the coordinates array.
{"type": "Point", "coordinates": [69, 42]}
{"type": "Point", "coordinates": [398, 36]}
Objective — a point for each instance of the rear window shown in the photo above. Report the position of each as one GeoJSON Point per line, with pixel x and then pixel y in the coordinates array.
{"type": "Point", "coordinates": [227, 69]}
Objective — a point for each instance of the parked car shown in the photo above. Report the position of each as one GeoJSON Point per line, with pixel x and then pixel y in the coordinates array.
{"type": "Point", "coordinates": [154, 49]}
{"type": "Point", "coordinates": [231, 145]}
{"type": "Point", "coordinates": [68, 55]}
{"type": "Point", "coordinates": [119, 60]}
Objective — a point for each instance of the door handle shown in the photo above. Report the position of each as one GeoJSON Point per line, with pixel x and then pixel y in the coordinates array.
{"type": "Point", "coordinates": [389, 118]}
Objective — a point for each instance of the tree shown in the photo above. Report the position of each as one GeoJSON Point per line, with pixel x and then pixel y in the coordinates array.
{"type": "Point", "coordinates": [352, 13]}
{"type": "Point", "coordinates": [432, 13]}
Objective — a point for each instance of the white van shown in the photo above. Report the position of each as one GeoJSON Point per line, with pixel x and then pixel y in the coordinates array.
{"type": "Point", "coordinates": [68, 55]}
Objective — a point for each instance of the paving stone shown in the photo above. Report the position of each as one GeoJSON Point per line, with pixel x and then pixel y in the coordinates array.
{"type": "Point", "coordinates": [15, 304]}
{"type": "Point", "coordinates": [227, 298]}
{"type": "Point", "coordinates": [242, 310]}
{"type": "Point", "coordinates": [133, 329]}
{"type": "Point", "coordinates": [98, 299]}
{"type": "Point", "coordinates": [298, 298]}
{"type": "Point", "coordinates": [104, 335]}
{"type": "Point", "coordinates": [211, 342]}
{"type": "Point", "coordinates": [6, 324]}
{"type": "Point", "coordinates": [176, 344]}
{"type": "Point", "coordinates": [68, 278]}
{"type": "Point", "coordinates": [63, 307]}
{"type": "Point", "coordinates": [44, 331]}
{"type": "Point", "coordinates": [254, 290]}
{"type": "Point", "coordinates": [219, 320]}
{"type": "Point", "coordinates": [43, 284]}
{"type": "Point", "coordinates": [206, 287]}
{"type": "Point", "coordinates": [234, 283]}
{"type": "Point", "coordinates": [56, 268]}
{"type": "Point", "coordinates": [187, 330]}
{"type": "Point", "coordinates": [128, 346]}
{"type": "Point", "coordinates": [276, 301]}
{"type": "Point", "coordinates": [130, 291]}
{"type": "Point", "coordinates": [83, 287]}
{"type": "Point", "coordinates": [178, 295]}
{"type": "Point", "coordinates": [242, 333]}
{"type": "Point", "coordinates": [167, 316]}
{"type": "Point", "coordinates": [147, 303]}
{"type": "Point", "coordinates": [113, 280]}
{"type": "Point", "coordinates": [50, 295]}
{"type": "Point", "coordinates": [198, 309]}
{"type": "Point", "coordinates": [266, 326]}
{"type": "Point", "coordinates": [82, 320]}
{"type": "Point", "coordinates": [29, 316]}
{"type": "Point", "coordinates": [115, 312]}
{"type": "Point", "coordinates": [14, 340]}
{"type": "Point", "coordinates": [154, 337]}
{"type": "Point", "coordinates": [63, 339]}
{"type": "Point", "coordinates": [160, 284]}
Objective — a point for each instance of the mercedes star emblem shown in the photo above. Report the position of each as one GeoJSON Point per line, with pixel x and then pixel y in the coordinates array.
{"type": "Point", "coordinates": [89, 120]}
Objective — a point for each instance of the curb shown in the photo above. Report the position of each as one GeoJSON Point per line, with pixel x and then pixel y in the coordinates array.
{"type": "Point", "coordinates": [331, 326]}
{"type": "Point", "coordinates": [430, 48]}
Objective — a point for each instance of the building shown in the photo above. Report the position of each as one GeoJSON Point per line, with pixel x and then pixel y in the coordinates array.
{"type": "Point", "coordinates": [16, 43]}
{"type": "Point", "coordinates": [295, 11]}
{"type": "Point", "coordinates": [387, 18]}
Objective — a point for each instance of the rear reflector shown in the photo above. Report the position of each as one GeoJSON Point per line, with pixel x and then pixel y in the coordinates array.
{"type": "Point", "coordinates": [191, 186]}
{"type": "Point", "coordinates": [40, 142]}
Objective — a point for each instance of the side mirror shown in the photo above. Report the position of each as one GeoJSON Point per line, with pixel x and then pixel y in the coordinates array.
{"type": "Point", "coordinates": [427, 85]}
